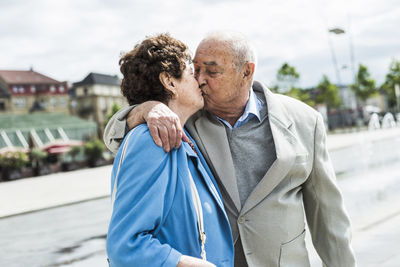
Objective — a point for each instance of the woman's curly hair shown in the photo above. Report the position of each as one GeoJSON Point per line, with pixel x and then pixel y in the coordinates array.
{"type": "Point", "coordinates": [142, 66]}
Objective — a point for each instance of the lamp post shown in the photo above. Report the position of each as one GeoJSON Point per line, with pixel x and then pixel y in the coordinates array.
{"type": "Point", "coordinates": [335, 64]}
{"type": "Point", "coordinates": [334, 61]}
{"type": "Point", "coordinates": [339, 31]}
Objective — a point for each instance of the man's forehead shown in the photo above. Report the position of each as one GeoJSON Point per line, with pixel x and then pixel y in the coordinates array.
{"type": "Point", "coordinates": [207, 63]}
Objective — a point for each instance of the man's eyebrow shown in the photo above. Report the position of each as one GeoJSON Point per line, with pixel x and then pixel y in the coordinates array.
{"type": "Point", "coordinates": [208, 63]}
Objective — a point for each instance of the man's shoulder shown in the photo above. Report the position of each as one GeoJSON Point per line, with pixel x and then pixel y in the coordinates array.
{"type": "Point", "coordinates": [294, 105]}
{"type": "Point", "coordinates": [287, 108]}
{"type": "Point", "coordinates": [291, 105]}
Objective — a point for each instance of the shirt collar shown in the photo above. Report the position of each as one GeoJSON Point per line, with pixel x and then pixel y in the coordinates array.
{"type": "Point", "coordinates": [253, 108]}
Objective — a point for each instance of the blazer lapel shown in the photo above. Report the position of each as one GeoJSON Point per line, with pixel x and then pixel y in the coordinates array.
{"type": "Point", "coordinates": [215, 145]}
{"type": "Point", "coordinates": [205, 175]}
{"type": "Point", "coordinates": [285, 154]}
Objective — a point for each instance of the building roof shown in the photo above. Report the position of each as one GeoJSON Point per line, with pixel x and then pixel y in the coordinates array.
{"type": "Point", "coordinates": [25, 77]}
{"type": "Point", "coordinates": [42, 120]}
{"type": "Point", "coordinates": [18, 130]}
{"type": "Point", "coordinates": [97, 78]}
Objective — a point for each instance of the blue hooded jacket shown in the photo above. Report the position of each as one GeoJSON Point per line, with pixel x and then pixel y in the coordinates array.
{"type": "Point", "coordinates": [154, 221]}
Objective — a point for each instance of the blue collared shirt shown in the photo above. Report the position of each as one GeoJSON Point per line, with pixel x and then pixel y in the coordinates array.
{"type": "Point", "coordinates": [253, 108]}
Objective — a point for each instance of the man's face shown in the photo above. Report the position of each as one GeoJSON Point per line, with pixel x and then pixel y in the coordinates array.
{"type": "Point", "coordinates": [217, 75]}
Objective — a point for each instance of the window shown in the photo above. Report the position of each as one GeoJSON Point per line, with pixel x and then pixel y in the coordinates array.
{"type": "Point", "coordinates": [61, 88]}
{"type": "Point", "coordinates": [73, 104]}
{"type": "Point", "coordinates": [21, 89]}
{"type": "Point", "coordinates": [2, 105]}
{"type": "Point", "coordinates": [33, 89]}
{"type": "Point", "coordinates": [102, 104]}
{"type": "Point", "coordinates": [63, 102]}
{"type": "Point", "coordinates": [53, 102]}
{"type": "Point", "coordinates": [52, 88]}
{"type": "Point", "coordinates": [43, 103]}
{"type": "Point", "coordinates": [15, 89]}
{"type": "Point", "coordinates": [19, 102]}
{"type": "Point", "coordinates": [85, 91]}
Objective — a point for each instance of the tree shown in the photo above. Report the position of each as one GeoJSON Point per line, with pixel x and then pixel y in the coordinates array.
{"type": "Point", "coordinates": [302, 95]}
{"type": "Point", "coordinates": [94, 151]}
{"type": "Point", "coordinates": [392, 78]}
{"type": "Point", "coordinates": [364, 86]}
{"type": "Point", "coordinates": [287, 77]}
{"type": "Point", "coordinates": [114, 109]}
{"type": "Point", "coordinates": [327, 93]}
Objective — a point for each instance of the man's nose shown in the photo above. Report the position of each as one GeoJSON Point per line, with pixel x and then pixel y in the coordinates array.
{"type": "Point", "coordinates": [200, 79]}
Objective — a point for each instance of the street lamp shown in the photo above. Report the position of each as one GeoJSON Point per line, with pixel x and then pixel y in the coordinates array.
{"type": "Point", "coordinates": [338, 31]}
{"type": "Point", "coordinates": [334, 61]}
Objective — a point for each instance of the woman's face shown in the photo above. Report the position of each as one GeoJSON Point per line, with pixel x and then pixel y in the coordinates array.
{"type": "Point", "coordinates": [188, 92]}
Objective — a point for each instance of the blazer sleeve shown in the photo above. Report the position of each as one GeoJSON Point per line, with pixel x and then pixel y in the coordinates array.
{"type": "Point", "coordinates": [145, 190]}
{"type": "Point", "coordinates": [116, 129]}
{"type": "Point", "coordinates": [328, 221]}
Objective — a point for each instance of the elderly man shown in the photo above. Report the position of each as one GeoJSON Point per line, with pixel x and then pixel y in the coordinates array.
{"type": "Point", "coordinates": [268, 154]}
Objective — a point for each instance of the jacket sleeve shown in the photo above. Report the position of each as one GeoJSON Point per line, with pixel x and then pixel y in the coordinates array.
{"type": "Point", "coordinates": [116, 129]}
{"type": "Point", "coordinates": [145, 190]}
{"type": "Point", "coordinates": [328, 221]}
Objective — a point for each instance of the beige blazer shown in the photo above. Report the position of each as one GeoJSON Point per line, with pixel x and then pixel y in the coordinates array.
{"type": "Point", "coordinates": [299, 185]}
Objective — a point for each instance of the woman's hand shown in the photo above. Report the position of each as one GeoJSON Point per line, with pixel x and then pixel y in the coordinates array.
{"type": "Point", "coordinates": [188, 261]}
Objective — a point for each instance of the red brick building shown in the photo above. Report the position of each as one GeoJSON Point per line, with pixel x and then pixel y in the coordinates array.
{"type": "Point", "coordinates": [25, 91]}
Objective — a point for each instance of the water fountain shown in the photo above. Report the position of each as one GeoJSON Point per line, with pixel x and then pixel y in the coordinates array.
{"type": "Point", "coordinates": [373, 123]}
{"type": "Point", "coordinates": [388, 121]}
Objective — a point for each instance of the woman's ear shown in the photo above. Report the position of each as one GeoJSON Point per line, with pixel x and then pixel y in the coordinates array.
{"type": "Point", "coordinates": [167, 81]}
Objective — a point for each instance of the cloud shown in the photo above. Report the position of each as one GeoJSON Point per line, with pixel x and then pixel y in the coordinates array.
{"type": "Point", "coordinates": [67, 39]}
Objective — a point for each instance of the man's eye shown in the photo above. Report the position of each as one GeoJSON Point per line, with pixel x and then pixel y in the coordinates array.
{"type": "Point", "coordinates": [211, 72]}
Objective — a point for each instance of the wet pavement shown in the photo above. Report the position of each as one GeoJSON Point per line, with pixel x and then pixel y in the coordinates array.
{"type": "Point", "coordinates": [55, 237]}
{"type": "Point", "coordinates": [74, 235]}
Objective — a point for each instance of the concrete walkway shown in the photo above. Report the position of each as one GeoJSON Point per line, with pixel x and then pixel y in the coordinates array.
{"type": "Point", "coordinates": [342, 140]}
{"type": "Point", "coordinates": [31, 194]}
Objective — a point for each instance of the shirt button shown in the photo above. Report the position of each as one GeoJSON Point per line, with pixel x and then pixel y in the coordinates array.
{"type": "Point", "coordinates": [241, 220]}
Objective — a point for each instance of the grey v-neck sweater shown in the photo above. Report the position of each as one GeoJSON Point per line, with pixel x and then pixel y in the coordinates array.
{"type": "Point", "coordinates": [253, 152]}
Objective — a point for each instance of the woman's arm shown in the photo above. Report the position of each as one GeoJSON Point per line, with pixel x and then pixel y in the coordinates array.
{"type": "Point", "coordinates": [145, 189]}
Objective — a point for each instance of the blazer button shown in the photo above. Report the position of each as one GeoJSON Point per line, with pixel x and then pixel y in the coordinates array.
{"type": "Point", "coordinates": [241, 220]}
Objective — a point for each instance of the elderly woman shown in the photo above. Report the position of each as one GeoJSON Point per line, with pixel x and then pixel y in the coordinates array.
{"type": "Point", "coordinates": [167, 209]}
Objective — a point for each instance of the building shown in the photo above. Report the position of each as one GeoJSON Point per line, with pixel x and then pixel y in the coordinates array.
{"type": "Point", "coordinates": [93, 97]}
{"type": "Point", "coordinates": [26, 91]}
{"type": "Point", "coordinates": [347, 97]}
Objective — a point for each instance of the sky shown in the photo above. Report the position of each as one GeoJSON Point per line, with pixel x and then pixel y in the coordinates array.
{"type": "Point", "coordinates": [68, 39]}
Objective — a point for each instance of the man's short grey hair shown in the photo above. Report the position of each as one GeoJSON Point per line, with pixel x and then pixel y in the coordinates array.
{"type": "Point", "coordinates": [240, 45]}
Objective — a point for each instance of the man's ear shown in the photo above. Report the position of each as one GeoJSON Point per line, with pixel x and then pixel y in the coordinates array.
{"type": "Point", "coordinates": [248, 70]}
{"type": "Point", "coordinates": [167, 81]}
